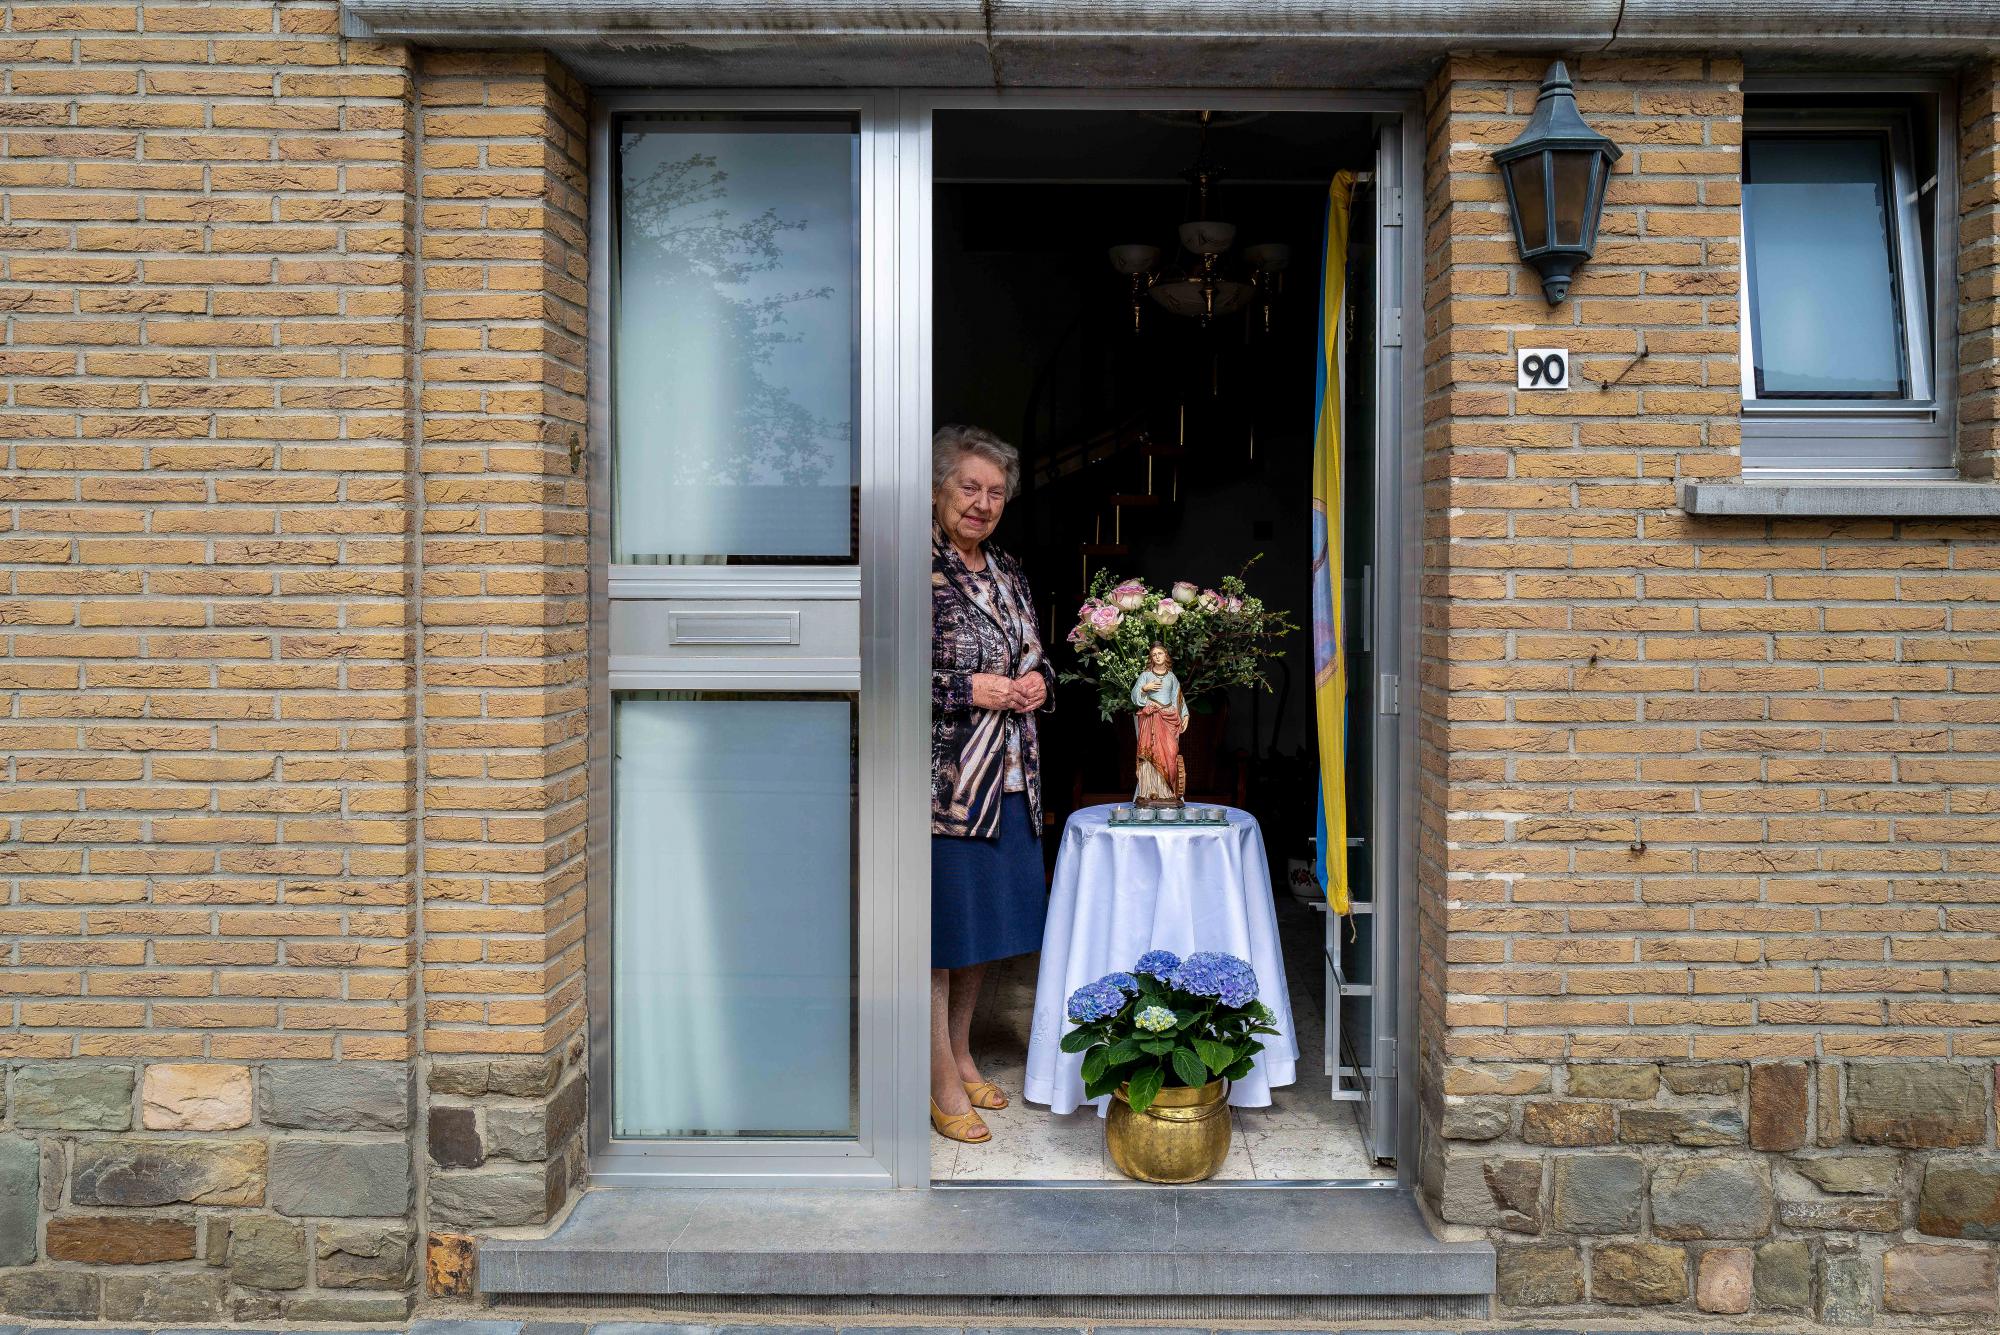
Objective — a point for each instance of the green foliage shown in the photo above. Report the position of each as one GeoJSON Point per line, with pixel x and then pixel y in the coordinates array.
{"type": "Point", "coordinates": [1189, 1068]}
{"type": "Point", "coordinates": [1208, 1041]}
{"type": "Point", "coordinates": [1145, 1087]}
{"type": "Point", "coordinates": [1218, 638]}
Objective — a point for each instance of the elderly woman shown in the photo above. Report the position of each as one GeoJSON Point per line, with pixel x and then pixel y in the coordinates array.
{"type": "Point", "coordinates": [988, 677]}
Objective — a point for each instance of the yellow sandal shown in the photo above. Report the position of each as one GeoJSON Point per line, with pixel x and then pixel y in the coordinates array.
{"type": "Point", "coordinates": [985, 1094]}
{"type": "Point", "coordinates": [959, 1126]}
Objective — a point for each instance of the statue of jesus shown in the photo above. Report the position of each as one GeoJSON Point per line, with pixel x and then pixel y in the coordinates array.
{"type": "Point", "coordinates": [1162, 718]}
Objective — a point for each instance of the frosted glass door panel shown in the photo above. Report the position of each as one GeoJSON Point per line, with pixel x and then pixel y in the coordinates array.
{"type": "Point", "coordinates": [1826, 321]}
{"type": "Point", "coordinates": [735, 344]}
{"type": "Point", "coordinates": [733, 919]}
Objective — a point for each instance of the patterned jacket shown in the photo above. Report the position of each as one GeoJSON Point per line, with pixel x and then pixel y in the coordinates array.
{"type": "Point", "coordinates": [969, 744]}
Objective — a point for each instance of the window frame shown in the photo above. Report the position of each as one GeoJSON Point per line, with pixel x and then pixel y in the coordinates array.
{"type": "Point", "coordinates": [1856, 439]}
{"type": "Point", "coordinates": [716, 119]}
{"type": "Point", "coordinates": [803, 627]}
{"type": "Point", "coordinates": [1889, 132]}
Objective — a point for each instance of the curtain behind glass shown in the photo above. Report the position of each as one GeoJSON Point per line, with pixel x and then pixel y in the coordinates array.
{"type": "Point", "coordinates": [734, 342]}
{"type": "Point", "coordinates": [1826, 319]}
{"type": "Point", "coordinates": [733, 920]}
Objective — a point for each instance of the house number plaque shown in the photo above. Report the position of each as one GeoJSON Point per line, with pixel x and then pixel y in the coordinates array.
{"type": "Point", "coordinates": [1541, 368]}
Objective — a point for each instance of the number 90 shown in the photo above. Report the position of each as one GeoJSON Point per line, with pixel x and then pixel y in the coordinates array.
{"type": "Point", "coordinates": [1544, 370]}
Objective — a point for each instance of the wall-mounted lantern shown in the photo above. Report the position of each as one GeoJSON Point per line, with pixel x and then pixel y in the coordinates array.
{"type": "Point", "coordinates": [1555, 172]}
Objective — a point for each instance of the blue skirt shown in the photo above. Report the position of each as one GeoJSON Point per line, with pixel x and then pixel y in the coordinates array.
{"type": "Point", "coordinates": [988, 897]}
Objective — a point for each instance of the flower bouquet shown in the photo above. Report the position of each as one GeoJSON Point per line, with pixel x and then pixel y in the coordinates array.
{"type": "Point", "coordinates": [1217, 638]}
{"type": "Point", "coordinates": [1164, 1040]}
{"type": "Point", "coordinates": [1169, 1023]}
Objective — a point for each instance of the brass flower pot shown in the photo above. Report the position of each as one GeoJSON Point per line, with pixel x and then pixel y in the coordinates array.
{"type": "Point", "coordinates": [1183, 1137]}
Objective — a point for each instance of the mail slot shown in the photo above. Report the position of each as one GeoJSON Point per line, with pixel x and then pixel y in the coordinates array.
{"type": "Point", "coordinates": [724, 627]}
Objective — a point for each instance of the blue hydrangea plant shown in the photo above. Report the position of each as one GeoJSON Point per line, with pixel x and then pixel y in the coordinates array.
{"type": "Point", "coordinates": [1169, 1023]}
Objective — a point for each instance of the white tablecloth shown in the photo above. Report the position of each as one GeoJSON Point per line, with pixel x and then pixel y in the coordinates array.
{"type": "Point", "coordinates": [1122, 891]}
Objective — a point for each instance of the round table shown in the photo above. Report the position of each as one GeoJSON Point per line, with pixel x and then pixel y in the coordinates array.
{"type": "Point", "coordinates": [1123, 890]}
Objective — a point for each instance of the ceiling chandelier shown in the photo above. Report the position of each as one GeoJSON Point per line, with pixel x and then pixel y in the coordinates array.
{"type": "Point", "coordinates": [1209, 282]}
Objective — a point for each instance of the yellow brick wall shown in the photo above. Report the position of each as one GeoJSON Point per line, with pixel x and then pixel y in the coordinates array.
{"type": "Point", "coordinates": [292, 342]}
{"type": "Point", "coordinates": [504, 674]}
{"type": "Point", "coordinates": [1695, 791]}
{"type": "Point", "coordinates": [206, 544]}
{"type": "Point", "coordinates": [505, 563]}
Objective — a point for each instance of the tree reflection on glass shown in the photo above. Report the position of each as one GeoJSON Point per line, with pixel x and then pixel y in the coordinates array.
{"type": "Point", "coordinates": [711, 352]}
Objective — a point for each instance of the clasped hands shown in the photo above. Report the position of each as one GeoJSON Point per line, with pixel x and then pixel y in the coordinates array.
{"type": "Point", "coordinates": [1026, 692]}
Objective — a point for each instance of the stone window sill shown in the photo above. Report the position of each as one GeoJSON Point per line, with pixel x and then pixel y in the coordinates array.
{"type": "Point", "coordinates": [1874, 499]}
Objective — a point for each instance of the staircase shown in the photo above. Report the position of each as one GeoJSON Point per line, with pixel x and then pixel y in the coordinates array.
{"type": "Point", "coordinates": [1103, 477]}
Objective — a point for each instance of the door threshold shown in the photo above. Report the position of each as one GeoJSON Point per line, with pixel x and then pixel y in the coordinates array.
{"type": "Point", "coordinates": [1025, 1243]}
{"type": "Point", "coordinates": [1227, 1184]}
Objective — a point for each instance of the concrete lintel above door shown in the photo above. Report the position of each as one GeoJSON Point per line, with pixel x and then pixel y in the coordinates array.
{"type": "Point", "coordinates": [1208, 1242]}
{"type": "Point", "coordinates": [1141, 43]}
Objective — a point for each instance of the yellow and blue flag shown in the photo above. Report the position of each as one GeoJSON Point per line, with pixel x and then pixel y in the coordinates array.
{"type": "Point", "coordinates": [1329, 652]}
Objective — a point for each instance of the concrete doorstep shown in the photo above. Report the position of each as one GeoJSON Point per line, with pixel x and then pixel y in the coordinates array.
{"type": "Point", "coordinates": [1025, 1243]}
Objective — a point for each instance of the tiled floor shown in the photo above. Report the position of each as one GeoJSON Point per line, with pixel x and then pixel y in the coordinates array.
{"type": "Point", "coordinates": [1303, 1136]}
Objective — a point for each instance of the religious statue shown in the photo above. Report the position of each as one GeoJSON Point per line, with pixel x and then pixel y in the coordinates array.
{"type": "Point", "coordinates": [1162, 718]}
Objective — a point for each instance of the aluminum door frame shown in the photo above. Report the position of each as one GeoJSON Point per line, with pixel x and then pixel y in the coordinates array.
{"type": "Point", "coordinates": [1399, 556]}
{"type": "Point", "coordinates": [892, 728]}
{"type": "Point", "coordinates": [892, 584]}
{"type": "Point", "coordinates": [1399, 117]}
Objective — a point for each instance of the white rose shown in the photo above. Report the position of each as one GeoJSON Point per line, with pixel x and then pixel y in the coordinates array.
{"type": "Point", "coordinates": [1168, 612]}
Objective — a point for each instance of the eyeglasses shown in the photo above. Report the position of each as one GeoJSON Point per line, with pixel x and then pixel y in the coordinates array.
{"type": "Point", "coordinates": [972, 492]}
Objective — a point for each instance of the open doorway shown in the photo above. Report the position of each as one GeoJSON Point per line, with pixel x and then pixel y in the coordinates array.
{"type": "Point", "coordinates": [1159, 446]}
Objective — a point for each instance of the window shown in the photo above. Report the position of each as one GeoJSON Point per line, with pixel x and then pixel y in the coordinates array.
{"type": "Point", "coordinates": [736, 373]}
{"type": "Point", "coordinates": [1821, 203]}
{"type": "Point", "coordinates": [1845, 328]}
{"type": "Point", "coordinates": [744, 1001]}
{"type": "Point", "coordinates": [733, 952]}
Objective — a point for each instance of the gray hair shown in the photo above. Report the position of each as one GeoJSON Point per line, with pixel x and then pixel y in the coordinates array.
{"type": "Point", "coordinates": [952, 443]}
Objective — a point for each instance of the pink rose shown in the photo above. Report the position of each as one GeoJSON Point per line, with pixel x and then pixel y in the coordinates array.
{"type": "Point", "coordinates": [1129, 596]}
{"type": "Point", "coordinates": [1183, 591]}
{"type": "Point", "coordinates": [1232, 604]}
{"type": "Point", "coordinates": [1168, 612]}
{"type": "Point", "coordinates": [1104, 620]}
{"type": "Point", "coordinates": [1210, 599]}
